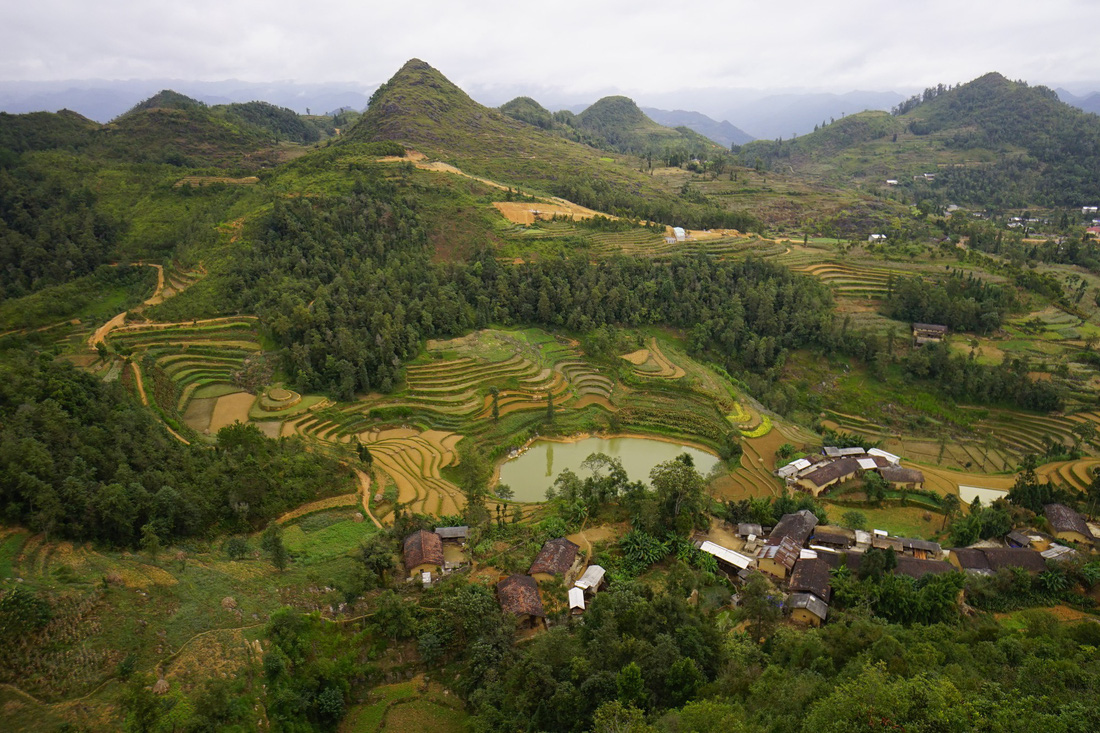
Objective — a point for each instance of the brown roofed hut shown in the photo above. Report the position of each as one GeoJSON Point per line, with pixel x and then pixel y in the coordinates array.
{"type": "Point", "coordinates": [812, 576]}
{"type": "Point", "coordinates": [423, 552]}
{"type": "Point", "coordinates": [519, 595]}
{"type": "Point", "coordinates": [798, 527]}
{"type": "Point", "coordinates": [902, 478]}
{"type": "Point", "coordinates": [557, 557]}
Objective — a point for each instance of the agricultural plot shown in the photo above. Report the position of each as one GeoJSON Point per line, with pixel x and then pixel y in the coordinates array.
{"type": "Point", "coordinates": [653, 363]}
{"type": "Point", "coordinates": [856, 281]}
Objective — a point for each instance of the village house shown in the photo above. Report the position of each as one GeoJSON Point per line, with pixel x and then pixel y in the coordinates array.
{"type": "Point", "coordinates": [830, 540]}
{"type": "Point", "coordinates": [1067, 525]}
{"type": "Point", "coordinates": [797, 526]}
{"type": "Point", "coordinates": [556, 558]}
{"type": "Point", "coordinates": [988, 560]}
{"type": "Point", "coordinates": [928, 333]}
{"type": "Point", "coordinates": [423, 553]}
{"type": "Point", "coordinates": [902, 478]}
{"type": "Point", "coordinates": [519, 595]}
{"type": "Point", "coordinates": [779, 559]}
{"type": "Point", "coordinates": [453, 534]}
{"type": "Point", "coordinates": [921, 549]}
{"type": "Point", "coordinates": [810, 578]}
{"type": "Point", "coordinates": [830, 474]}
{"type": "Point", "coordinates": [917, 568]}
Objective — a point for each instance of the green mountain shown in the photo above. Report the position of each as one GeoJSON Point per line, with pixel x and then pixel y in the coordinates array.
{"type": "Point", "coordinates": [420, 108]}
{"type": "Point", "coordinates": [528, 110]}
{"type": "Point", "coordinates": [164, 99]}
{"type": "Point", "coordinates": [626, 129]}
{"type": "Point", "coordinates": [44, 130]}
{"type": "Point", "coordinates": [991, 142]}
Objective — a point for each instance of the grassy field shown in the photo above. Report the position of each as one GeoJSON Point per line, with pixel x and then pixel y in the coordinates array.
{"type": "Point", "coordinates": [407, 707]}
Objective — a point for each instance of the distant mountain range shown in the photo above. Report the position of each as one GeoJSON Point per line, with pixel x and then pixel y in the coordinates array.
{"type": "Point", "coordinates": [1088, 103]}
{"type": "Point", "coordinates": [720, 132]}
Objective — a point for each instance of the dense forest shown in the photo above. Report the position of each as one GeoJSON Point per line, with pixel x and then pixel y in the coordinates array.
{"type": "Point", "coordinates": [964, 303]}
{"type": "Point", "coordinates": [349, 289]}
{"type": "Point", "coordinates": [81, 459]}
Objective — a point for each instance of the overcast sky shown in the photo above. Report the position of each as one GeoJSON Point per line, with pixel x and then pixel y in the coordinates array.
{"type": "Point", "coordinates": [576, 47]}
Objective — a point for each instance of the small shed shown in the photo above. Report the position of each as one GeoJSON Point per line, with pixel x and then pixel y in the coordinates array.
{"type": "Point", "coordinates": [1016, 538]}
{"type": "Point", "coordinates": [591, 580]}
{"type": "Point", "coordinates": [456, 534]}
{"type": "Point", "coordinates": [556, 558]}
{"type": "Point", "coordinates": [749, 529]}
{"type": "Point", "coordinates": [921, 549]}
{"type": "Point", "coordinates": [576, 600]}
{"type": "Point", "coordinates": [928, 333]}
{"type": "Point", "coordinates": [735, 560]}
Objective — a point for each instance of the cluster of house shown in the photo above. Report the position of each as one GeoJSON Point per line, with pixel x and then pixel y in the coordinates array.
{"type": "Point", "coordinates": [832, 466]}
{"type": "Point", "coordinates": [799, 552]}
{"type": "Point", "coordinates": [518, 594]}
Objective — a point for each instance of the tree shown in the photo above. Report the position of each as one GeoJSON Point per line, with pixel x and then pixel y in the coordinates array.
{"type": "Point", "coordinates": [495, 392]}
{"type": "Point", "coordinates": [680, 494]}
{"type": "Point", "coordinates": [876, 563]}
{"type": "Point", "coordinates": [236, 548]}
{"type": "Point", "coordinates": [615, 717]}
{"type": "Point", "coordinates": [150, 542]}
{"type": "Point", "coordinates": [549, 406]}
{"type": "Point", "coordinates": [631, 687]}
{"type": "Point", "coordinates": [376, 557]}
{"type": "Point", "coordinates": [272, 543]}
{"type": "Point", "coordinates": [875, 486]}
{"type": "Point", "coordinates": [760, 607]}
{"type": "Point", "coordinates": [853, 520]}
{"type": "Point", "coordinates": [365, 455]}
{"type": "Point", "coordinates": [950, 505]}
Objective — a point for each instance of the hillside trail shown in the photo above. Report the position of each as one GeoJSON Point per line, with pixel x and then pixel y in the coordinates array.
{"type": "Point", "coordinates": [156, 298]}
{"type": "Point", "coordinates": [364, 485]}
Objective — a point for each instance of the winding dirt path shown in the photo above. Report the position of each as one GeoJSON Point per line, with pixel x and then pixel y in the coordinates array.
{"type": "Point", "coordinates": [364, 486]}
{"type": "Point", "coordinates": [157, 297]}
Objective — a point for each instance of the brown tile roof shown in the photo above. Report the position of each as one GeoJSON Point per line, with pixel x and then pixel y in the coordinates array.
{"type": "Point", "coordinates": [1064, 519]}
{"type": "Point", "coordinates": [811, 576]}
{"type": "Point", "coordinates": [830, 472]}
{"type": "Point", "coordinates": [916, 568]}
{"type": "Point", "coordinates": [785, 553]}
{"type": "Point", "coordinates": [972, 558]}
{"type": "Point", "coordinates": [423, 547]}
{"type": "Point", "coordinates": [923, 545]}
{"type": "Point", "coordinates": [519, 594]}
{"type": "Point", "coordinates": [555, 558]}
{"type": "Point", "coordinates": [831, 539]}
{"type": "Point", "coordinates": [797, 526]}
{"type": "Point", "coordinates": [1015, 557]}
{"type": "Point", "coordinates": [899, 475]}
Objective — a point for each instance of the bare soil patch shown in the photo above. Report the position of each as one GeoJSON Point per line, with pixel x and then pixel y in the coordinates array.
{"type": "Point", "coordinates": [270, 428]}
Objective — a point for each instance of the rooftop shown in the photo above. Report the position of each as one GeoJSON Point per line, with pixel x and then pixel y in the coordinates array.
{"type": "Point", "coordinates": [897, 474]}
{"type": "Point", "coordinates": [810, 602]}
{"type": "Point", "coordinates": [811, 576]}
{"type": "Point", "coordinates": [519, 594]}
{"type": "Point", "coordinates": [1064, 519]}
{"type": "Point", "coordinates": [593, 576]}
{"type": "Point", "coordinates": [423, 547]}
{"type": "Point", "coordinates": [832, 471]}
{"type": "Point", "coordinates": [797, 526]}
{"type": "Point", "coordinates": [726, 555]}
{"type": "Point", "coordinates": [786, 553]}
{"type": "Point", "coordinates": [555, 558]}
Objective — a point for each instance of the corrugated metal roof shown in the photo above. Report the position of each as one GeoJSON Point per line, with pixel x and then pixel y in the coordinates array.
{"type": "Point", "coordinates": [593, 576]}
{"type": "Point", "coordinates": [576, 598]}
{"type": "Point", "coordinates": [726, 555]}
{"type": "Point", "coordinates": [867, 464]}
{"type": "Point", "coordinates": [884, 454]}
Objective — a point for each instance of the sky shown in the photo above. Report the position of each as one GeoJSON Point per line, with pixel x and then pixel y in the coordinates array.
{"type": "Point", "coordinates": [577, 48]}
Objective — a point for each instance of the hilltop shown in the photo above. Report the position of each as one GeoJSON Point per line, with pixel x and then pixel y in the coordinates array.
{"type": "Point", "coordinates": [989, 142]}
{"type": "Point", "coordinates": [420, 108]}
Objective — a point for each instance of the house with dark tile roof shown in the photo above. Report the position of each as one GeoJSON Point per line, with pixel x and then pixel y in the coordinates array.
{"type": "Point", "coordinates": [519, 595]}
{"type": "Point", "coordinates": [1067, 524]}
{"type": "Point", "coordinates": [556, 558]}
{"type": "Point", "coordinates": [423, 552]}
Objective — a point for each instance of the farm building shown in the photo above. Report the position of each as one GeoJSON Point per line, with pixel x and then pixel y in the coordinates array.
{"type": "Point", "coordinates": [928, 333]}
{"type": "Point", "coordinates": [749, 529]}
{"type": "Point", "coordinates": [778, 560]}
{"type": "Point", "coordinates": [734, 560]}
{"type": "Point", "coordinates": [679, 234]}
{"type": "Point", "coordinates": [423, 551]}
{"type": "Point", "coordinates": [831, 540]}
{"type": "Point", "coordinates": [576, 600]}
{"type": "Point", "coordinates": [917, 568]}
{"type": "Point", "coordinates": [885, 542]}
{"type": "Point", "coordinates": [1067, 524]}
{"type": "Point", "coordinates": [890, 458]}
{"type": "Point", "coordinates": [798, 527]}
{"type": "Point", "coordinates": [1016, 538]}
{"type": "Point", "coordinates": [591, 580]}
{"type": "Point", "coordinates": [921, 549]}
{"type": "Point", "coordinates": [793, 468]}
{"type": "Point", "coordinates": [833, 452]}
{"type": "Point", "coordinates": [828, 475]}
{"type": "Point", "coordinates": [902, 478]}
{"type": "Point", "coordinates": [556, 558]}
{"type": "Point", "coordinates": [807, 608]}
{"type": "Point", "coordinates": [456, 534]}
{"type": "Point", "coordinates": [519, 595]}
{"type": "Point", "coordinates": [811, 576]}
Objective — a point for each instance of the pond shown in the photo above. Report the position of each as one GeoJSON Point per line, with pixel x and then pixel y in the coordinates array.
{"type": "Point", "coordinates": [532, 473]}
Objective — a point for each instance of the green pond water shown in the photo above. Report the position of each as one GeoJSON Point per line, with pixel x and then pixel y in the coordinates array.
{"type": "Point", "coordinates": [532, 473]}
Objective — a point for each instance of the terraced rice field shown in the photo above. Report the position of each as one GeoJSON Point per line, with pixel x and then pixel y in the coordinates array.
{"type": "Point", "coordinates": [857, 281]}
{"type": "Point", "coordinates": [653, 363]}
